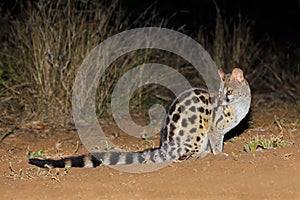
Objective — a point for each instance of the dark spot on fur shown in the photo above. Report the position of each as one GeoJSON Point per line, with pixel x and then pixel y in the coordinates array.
{"type": "Point", "coordinates": [152, 157]}
{"type": "Point", "coordinates": [200, 126]}
{"type": "Point", "coordinates": [171, 134]}
{"type": "Point", "coordinates": [167, 120]}
{"type": "Point", "coordinates": [201, 109]}
{"type": "Point", "coordinates": [181, 109]}
{"type": "Point", "coordinates": [203, 99]}
{"type": "Point", "coordinates": [184, 123]}
{"type": "Point", "coordinates": [173, 107]}
{"type": "Point", "coordinates": [172, 143]}
{"type": "Point", "coordinates": [195, 99]}
{"type": "Point", "coordinates": [78, 162]}
{"type": "Point", "coordinates": [193, 130]}
{"type": "Point", "coordinates": [219, 120]}
{"type": "Point", "coordinates": [141, 158]}
{"type": "Point", "coordinates": [193, 108]}
{"type": "Point", "coordinates": [170, 153]}
{"type": "Point", "coordinates": [198, 138]}
{"type": "Point", "coordinates": [176, 117]}
{"type": "Point", "coordinates": [179, 151]}
{"type": "Point", "coordinates": [178, 139]}
{"type": "Point", "coordinates": [172, 127]}
{"type": "Point", "coordinates": [165, 147]}
{"type": "Point", "coordinates": [114, 158]}
{"type": "Point", "coordinates": [207, 111]}
{"type": "Point", "coordinates": [181, 132]}
{"type": "Point", "coordinates": [197, 91]}
{"type": "Point", "coordinates": [187, 102]}
{"type": "Point", "coordinates": [192, 119]}
{"type": "Point", "coordinates": [96, 161]}
{"type": "Point", "coordinates": [129, 158]}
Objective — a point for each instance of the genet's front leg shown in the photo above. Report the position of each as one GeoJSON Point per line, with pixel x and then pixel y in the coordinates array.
{"type": "Point", "coordinates": [216, 142]}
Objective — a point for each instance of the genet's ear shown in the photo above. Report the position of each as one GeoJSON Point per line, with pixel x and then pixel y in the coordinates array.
{"type": "Point", "coordinates": [237, 75]}
{"type": "Point", "coordinates": [222, 74]}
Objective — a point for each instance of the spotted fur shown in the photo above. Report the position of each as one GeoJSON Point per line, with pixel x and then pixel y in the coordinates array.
{"type": "Point", "coordinates": [195, 125]}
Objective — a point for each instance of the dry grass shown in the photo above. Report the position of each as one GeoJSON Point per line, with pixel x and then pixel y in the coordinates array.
{"type": "Point", "coordinates": [46, 47]}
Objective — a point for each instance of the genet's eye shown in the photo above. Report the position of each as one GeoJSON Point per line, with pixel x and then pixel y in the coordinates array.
{"type": "Point", "coordinates": [229, 92]}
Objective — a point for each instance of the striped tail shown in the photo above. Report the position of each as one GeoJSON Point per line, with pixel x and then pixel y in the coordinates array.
{"type": "Point", "coordinates": [104, 158]}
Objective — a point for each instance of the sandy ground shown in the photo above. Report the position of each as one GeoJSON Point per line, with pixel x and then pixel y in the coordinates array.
{"type": "Point", "coordinates": [265, 174]}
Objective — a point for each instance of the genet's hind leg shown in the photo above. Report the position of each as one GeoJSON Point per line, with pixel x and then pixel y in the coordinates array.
{"type": "Point", "coordinates": [204, 149]}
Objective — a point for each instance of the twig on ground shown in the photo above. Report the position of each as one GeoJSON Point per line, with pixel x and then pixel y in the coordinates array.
{"type": "Point", "coordinates": [6, 134]}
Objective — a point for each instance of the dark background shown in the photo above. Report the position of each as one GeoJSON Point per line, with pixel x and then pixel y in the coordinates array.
{"type": "Point", "coordinates": [279, 20]}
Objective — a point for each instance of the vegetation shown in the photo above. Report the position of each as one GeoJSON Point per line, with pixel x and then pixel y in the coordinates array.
{"type": "Point", "coordinates": [264, 143]}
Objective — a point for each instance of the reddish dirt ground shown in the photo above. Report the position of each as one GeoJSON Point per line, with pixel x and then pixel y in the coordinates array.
{"type": "Point", "coordinates": [265, 174]}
